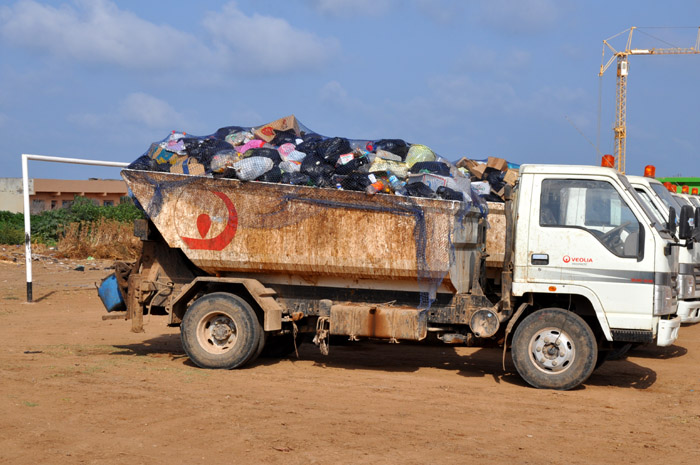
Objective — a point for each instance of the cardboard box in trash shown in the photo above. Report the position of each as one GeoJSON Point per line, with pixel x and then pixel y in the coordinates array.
{"type": "Point", "coordinates": [511, 176]}
{"type": "Point", "coordinates": [475, 168]}
{"type": "Point", "coordinates": [268, 131]}
{"type": "Point", "coordinates": [497, 163]}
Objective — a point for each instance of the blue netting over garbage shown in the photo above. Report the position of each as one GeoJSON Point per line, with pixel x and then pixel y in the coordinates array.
{"type": "Point", "coordinates": [286, 151]}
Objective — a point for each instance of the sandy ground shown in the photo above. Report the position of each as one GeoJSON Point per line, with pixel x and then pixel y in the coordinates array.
{"type": "Point", "coordinates": [76, 389]}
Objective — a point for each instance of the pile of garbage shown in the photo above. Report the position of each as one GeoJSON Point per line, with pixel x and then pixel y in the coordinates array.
{"type": "Point", "coordinates": [285, 151]}
{"type": "Point", "coordinates": [489, 178]}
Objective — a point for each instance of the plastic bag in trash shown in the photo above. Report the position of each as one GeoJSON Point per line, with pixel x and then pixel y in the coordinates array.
{"type": "Point", "coordinates": [204, 149]}
{"type": "Point", "coordinates": [297, 179]}
{"type": "Point", "coordinates": [380, 165]}
{"type": "Point", "coordinates": [446, 193]}
{"type": "Point", "coordinates": [495, 178]}
{"type": "Point", "coordinates": [252, 167]}
{"type": "Point", "coordinates": [434, 167]}
{"type": "Point", "coordinates": [418, 153]}
{"type": "Point", "coordinates": [331, 149]}
{"type": "Point", "coordinates": [290, 166]}
{"type": "Point", "coordinates": [272, 154]}
{"type": "Point", "coordinates": [353, 181]}
{"type": "Point", "coordinates": [239, 138]}
{"type": "Point", "coordinates": [388, 155]}
{"type": "Point", "coordinates": [283, 137]}
{"type": "Point", "coordinates": [144, 163]}
{"type": "Point", "coordinates": [350, 166]}
{"type": "Point", "coordinates": [223, 159]}
{"type": "Point", "coordinates": [318, 170]}
{"type": "Point", "coordinates": [251, 144]}
{"type": "Point", "coordinates": [481, 187]}
{"type": "Point", "coordinates": [274, 175]}
{"type": "Point", "coordinates": [174, 143]}
{"type": "Point", "coordinates": [418, 189]}
{"type": "Point", "coordinates": [395, 146]}
{"type": "Point", "coordinates": [225, 132]}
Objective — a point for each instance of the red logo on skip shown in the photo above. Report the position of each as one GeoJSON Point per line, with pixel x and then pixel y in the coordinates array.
{"type": "Point", "coordinates": [221, 240]}
{"type": "Point", "coordinates": [568, 259]}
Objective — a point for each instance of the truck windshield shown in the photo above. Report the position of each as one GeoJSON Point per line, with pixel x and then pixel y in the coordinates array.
{"type": "Point", "coordinates": [681, 201]}
{"type": "Point", "coordinates": [649, 203]}
{"type": "Point", "coordinates": [665, 196]}
{"type": "Point", "coordinates": [650, 212]}
{"type": "Point", "coordinates": [694, 201]}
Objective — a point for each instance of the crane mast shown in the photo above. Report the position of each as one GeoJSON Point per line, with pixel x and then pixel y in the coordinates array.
{"type": "Point", "coordinates": [620, 127]}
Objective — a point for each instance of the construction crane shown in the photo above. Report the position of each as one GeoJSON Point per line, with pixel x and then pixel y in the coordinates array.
{"type": "Point", "coordinates": [620, 127]}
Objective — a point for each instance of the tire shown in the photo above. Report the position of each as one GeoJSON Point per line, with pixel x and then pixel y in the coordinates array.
{"type": "Point", "coordinates": [570, 345]}
{"type": "Point", "coordinates": [220, 330]}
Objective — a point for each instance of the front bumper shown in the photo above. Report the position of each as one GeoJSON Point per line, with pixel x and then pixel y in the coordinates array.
{"type": "Point", "coordinates": [689, 311]}
{"type": "Point", "coordinates": [668, 331]}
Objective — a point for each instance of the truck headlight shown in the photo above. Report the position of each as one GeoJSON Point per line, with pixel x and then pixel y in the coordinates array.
{"type": "Point", "coordinates": [664, 300]}
{"type": "Point", "coordinates": [686, 286]}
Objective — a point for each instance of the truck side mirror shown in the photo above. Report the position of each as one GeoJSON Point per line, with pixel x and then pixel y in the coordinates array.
{"type": "Point", "coordinates": [671, 224]}
{"type": "Point", "coordinates": [687, 223]}
{"type": "Point", "coordinates": [697, 220]}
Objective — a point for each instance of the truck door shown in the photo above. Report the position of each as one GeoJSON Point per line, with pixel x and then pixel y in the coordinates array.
{"type": "Point", "coordinates": [583, 233]}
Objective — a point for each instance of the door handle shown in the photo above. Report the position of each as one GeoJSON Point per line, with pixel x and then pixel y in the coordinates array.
{"type": "Point", "coordinates": [539, 259]}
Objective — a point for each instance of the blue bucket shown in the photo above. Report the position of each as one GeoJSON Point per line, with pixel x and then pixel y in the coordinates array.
{"type": "Point", "coordinates": [110, 295]}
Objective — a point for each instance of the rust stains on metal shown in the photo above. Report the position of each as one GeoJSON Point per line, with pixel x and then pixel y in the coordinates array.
{"type": "Point", "coordinates": [378, 322]}
{"type": "Point", "coordinates": [302, 231]}
{"type": "Point", "coordinates": [496, 235]}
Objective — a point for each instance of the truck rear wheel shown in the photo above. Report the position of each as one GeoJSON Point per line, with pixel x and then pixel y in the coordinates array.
{"type": "Point", "coordinates": [554, 349]}
{"type": "Point", "coordinates": [220, 330]}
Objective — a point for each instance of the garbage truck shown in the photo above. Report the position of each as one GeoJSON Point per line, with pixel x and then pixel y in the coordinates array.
{"type": "Point", "coordinates": [570, 265]}
{"type": "Point", "coordinates": [660, 201]}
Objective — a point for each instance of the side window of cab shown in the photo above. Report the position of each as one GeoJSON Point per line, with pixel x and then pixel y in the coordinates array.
{"type": "Point", "coordinates": [594, 206]}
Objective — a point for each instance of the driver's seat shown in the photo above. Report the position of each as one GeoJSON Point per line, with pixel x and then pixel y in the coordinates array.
{"type": "Point", "coordinates": [631, 245]}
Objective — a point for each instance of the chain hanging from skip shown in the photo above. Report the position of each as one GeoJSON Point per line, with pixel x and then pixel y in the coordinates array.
{"type": "Point", "coordinates": [323, 334]}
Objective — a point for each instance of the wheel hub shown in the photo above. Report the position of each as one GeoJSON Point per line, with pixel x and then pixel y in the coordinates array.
{"type": "Point", "coordinates": [221, 331]}
{"type": "Point", "coordinates": [552, 350]}
{"type": "Point", "coordinates": [217, 333]}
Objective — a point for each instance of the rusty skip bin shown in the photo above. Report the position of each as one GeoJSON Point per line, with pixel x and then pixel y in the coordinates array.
{"type": "Point", "coordinates": [227, 226]}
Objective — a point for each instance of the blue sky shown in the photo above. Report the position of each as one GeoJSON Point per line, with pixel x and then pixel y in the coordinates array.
{"type": "Point", "coordinates": [515, 79]}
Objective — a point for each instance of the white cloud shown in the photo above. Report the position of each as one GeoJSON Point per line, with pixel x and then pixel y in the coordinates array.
{"type": "Point", "coordinates": [342, 8]}
{"type": "Point", "coordinates": [521, 16]}
{"type": "Point", "coordinates": [99, 32]}
{"type": "Point", "coordinates": [145, 109]}
{"type": "Point", "coordinates": [261, 43]}
{"type": "Point", "coordinates": [136, 109]}
{"type": "Point", "coordinates": [95, 31]}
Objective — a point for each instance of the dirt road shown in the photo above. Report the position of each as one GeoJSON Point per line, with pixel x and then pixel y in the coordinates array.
{"type": "Point", "coordinates": [76, 389]}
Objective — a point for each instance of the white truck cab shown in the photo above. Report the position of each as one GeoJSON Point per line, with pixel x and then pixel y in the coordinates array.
{"type": "Point", "coordinates": [587, 237]}
{"type": "Point", "coordinates": [659, 200]}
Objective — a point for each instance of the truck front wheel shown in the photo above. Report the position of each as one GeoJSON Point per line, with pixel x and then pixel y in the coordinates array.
{"type": "Point", "coordinates": [220, 330]}
{"type": "Point", "coordinates": [554, 349]}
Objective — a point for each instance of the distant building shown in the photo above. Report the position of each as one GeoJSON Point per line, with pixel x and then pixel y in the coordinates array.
{"type": "Point", "coordinates": [51, 194]}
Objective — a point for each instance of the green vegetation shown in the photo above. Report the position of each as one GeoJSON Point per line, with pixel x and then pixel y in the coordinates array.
{"type": "Point", "coordinates": [11, 228]}
{"type": "Point", "coordinates": [49, 226]}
